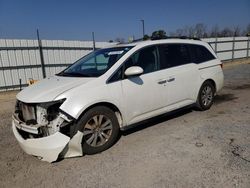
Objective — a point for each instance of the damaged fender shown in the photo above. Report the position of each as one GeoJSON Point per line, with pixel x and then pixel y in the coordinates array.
{"type": "Point", "coordinates": [74, 147]}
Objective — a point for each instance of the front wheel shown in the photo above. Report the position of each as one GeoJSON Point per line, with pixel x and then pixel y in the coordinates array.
{"type": "Point", "coordinates": [206, 96]}
{"type": "Point", "coordinates": [100, 129]}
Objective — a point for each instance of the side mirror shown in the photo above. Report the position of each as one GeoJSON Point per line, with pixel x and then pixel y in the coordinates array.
{"type": "Point", "coordinates": [133, 71]}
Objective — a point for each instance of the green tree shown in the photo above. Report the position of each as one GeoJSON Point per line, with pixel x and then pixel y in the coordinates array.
{"type": "Point", "coordinates": [160, 34]}
{"type": "Point", "coordinates": [146, 37]}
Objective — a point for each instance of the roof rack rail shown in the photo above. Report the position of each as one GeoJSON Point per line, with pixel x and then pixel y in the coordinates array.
{"type": "Point", "coordinates": [175, 37]}
{"type": "Point", "coordinates": [166, 37]}
{"type": "Point", "coordinates": [185, 37]}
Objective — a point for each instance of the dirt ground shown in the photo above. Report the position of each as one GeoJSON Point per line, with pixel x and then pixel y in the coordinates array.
{"type": "Point", "coordinates": [183, 149]}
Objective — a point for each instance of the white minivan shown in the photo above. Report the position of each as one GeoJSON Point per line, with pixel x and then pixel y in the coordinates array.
{"type": "Point", "coordinates": [82, 109]}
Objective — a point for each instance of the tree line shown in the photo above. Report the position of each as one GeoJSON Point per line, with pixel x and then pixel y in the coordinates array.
{"type": "Point", "coordinates": [199, 30]}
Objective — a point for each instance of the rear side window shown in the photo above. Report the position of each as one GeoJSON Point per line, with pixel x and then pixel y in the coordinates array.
{"type": "Point", "coordinates": [200, 54]}
{"type": "Point", "coordinates": [174, 55]}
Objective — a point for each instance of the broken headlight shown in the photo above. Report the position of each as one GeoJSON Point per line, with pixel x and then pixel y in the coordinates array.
{"type": "Point", "coordinates": [48, 111]}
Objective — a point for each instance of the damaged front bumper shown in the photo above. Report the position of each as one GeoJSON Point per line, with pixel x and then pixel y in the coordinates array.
{"type": "Point", "coordinates": [47, 148]}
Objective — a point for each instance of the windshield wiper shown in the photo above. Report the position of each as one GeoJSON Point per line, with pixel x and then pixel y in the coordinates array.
{"type": "Point", "coordinates": [73, 74]}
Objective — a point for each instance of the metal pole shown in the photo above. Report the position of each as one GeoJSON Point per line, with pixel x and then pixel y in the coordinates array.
{"type": "Point", "coordinates": [233, 48]}
{"type": "Point", "coordinates": [93, 38]}
{"type": "Point", "coordinates": [20, 84]}
{"type": "Point", "coordinates": [248, 47]}
{"type": "Point", "coordinates": [215, 45]}
{"type": "Point", "coordinates": [41, 54]}
{"type": "Point", "coordinates": [143, 28]}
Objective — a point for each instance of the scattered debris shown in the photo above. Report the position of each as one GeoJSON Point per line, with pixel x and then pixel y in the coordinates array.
{"type": "Point", "coordinates": [237, 150]}
{"type": "Point", "coordinates": [198, 144]}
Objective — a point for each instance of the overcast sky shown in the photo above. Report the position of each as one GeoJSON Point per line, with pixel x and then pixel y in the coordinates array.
{"type": "Point", "coordinates": [109, 19]}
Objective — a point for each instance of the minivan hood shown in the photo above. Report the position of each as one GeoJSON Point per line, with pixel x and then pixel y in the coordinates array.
{"type": "Point", "coordinates": [49, 88]}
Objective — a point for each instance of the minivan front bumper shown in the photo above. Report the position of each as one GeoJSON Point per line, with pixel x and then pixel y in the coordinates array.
{"type": "Point", "coordinates": [47, 148]}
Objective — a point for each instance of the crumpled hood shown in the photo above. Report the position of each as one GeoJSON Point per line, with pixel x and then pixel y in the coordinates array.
{"type": "Point", "coordinates": [49, 88]}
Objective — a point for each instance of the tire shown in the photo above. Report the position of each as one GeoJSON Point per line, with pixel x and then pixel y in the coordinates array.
{"type": "Point", "coordinates": [206, 96]}
{"type": "Point", "coordinates": [100, 129]}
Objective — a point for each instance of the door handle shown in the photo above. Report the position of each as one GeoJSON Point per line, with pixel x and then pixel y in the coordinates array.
{"type": "Point", "coordinates": [162, 81]}
{"type": "Point", "coordinates": [171, 79]}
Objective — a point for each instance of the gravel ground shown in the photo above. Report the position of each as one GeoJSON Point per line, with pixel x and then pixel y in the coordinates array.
{"type": "Point", "coordinates": [184, 149]}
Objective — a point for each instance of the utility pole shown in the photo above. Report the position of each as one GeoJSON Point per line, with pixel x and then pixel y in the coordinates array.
{"type": "Point", "coordinates": [41, 53]}
{"type": "Point", "coordinates": [143, 28]}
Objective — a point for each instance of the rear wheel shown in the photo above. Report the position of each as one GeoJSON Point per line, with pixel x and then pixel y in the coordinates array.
{"type": "Point", "coordinates": [100, 129]}
{"type": "Point", "coordinates": [206, 96]}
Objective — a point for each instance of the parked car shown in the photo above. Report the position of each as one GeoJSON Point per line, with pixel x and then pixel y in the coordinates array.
{"type": "Point", "coordinates": [82, 109]}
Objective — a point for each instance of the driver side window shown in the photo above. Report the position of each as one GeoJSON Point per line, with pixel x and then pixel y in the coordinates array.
{"type": "Point", "coordinates": [145, 58]}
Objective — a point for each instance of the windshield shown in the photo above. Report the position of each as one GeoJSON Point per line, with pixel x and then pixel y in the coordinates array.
{"type": "Point", "coordinates": [96, 63]}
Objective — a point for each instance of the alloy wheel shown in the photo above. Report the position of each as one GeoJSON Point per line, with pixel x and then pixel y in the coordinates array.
{"type": "Point", "coordinates": [207, 96]}
{"type": "Point", "coordinates": [97, 130]}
